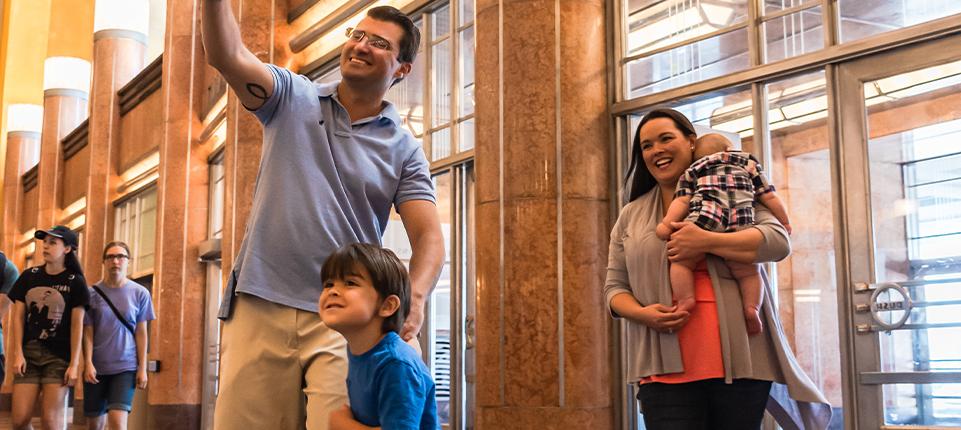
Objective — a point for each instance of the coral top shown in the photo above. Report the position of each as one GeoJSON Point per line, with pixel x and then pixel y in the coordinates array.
{"type": "Point", "coordinates": [700, 338]}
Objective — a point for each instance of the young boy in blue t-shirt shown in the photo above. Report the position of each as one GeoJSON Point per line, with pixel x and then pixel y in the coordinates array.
{"type": "Point", "coordinates": [366, 298]}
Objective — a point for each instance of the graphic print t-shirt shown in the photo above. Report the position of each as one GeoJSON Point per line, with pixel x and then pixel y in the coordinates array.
{"type": "Point", "coordinates": [49, 301]}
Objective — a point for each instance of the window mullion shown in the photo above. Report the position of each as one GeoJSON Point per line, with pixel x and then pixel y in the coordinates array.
{"type": "Point", "coordinates": [454, 87]}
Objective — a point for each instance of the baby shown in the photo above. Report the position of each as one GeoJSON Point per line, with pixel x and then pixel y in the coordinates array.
{"type": "Point", "coordinates": [717, 193]}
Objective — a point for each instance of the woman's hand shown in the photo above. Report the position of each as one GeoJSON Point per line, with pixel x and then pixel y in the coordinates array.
{"type": "Point", "coordinates": [70, 376]}
{"type": "Point", "coordinates": [90, 374]}
{"type": "Point", "coordinates": [665, 319]}
{"type": "Point", "coordinates": [688, 242]}
{"type": "Point", "coordinates": [18, 364]}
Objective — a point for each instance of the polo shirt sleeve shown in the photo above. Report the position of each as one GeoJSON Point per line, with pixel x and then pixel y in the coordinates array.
{"type": "Point", "coordinates": [9, 277]}
{"type": "Point", "coordinates": [415, 182]}
{"type": "Point", "coordinates": [276, 104]}
{"type": "Point", "coordinates": [401, 397]}
{"type": "Point", "coordinates": [19, 290]}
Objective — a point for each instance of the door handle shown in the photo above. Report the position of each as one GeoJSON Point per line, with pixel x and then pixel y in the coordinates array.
{"type": "Point", "coordinates": [887, 297]}
{"type": "Point", "coordinates": [469, 332]}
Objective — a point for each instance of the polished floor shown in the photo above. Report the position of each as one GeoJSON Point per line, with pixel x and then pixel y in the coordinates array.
{"type": "Point", "coordinates": [5, 422]}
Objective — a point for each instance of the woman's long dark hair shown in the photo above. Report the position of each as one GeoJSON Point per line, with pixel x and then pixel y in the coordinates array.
{"type": "Point", "coordinates": [639, 180]}
{"type": "Point", "coordinates": [71, 262]}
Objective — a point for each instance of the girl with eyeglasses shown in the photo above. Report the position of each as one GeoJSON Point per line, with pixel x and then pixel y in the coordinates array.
{"type": "Point", "coordinates": [48, 310]}
{"type": "Point", "coordinates": [114, 342]}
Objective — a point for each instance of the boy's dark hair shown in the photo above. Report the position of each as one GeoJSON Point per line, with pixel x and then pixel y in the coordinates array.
{"type": "Point", "coordinates": [407, 50]}
{"type": "Point", "coordinates": [387, 274]}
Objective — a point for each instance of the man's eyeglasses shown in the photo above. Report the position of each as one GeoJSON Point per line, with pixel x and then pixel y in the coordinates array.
{"type": "Point", "coordinates": [372, 39]}
{"type": "Point", "coordinates": [118, 257]}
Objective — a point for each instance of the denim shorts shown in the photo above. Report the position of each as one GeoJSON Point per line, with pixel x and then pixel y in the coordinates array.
{"type": "Point", "coordinates": [43, 366]}
{"type": "Point", "coordinates": [113, 392]}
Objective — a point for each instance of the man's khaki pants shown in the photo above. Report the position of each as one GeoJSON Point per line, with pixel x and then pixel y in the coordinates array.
{"type": "Point", "coordinates": [273, 359]}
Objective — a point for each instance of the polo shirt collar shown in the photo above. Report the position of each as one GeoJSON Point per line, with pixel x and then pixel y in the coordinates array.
{"type": "Point", "coordinates": [390, 112]}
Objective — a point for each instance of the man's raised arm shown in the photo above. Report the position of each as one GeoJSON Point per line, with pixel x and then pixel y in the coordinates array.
{"type": "Point", "coordinates": [225, 51]}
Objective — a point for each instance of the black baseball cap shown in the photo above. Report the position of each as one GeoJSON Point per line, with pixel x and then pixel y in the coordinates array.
{"type": "Point", "coordinates": [68, 236]}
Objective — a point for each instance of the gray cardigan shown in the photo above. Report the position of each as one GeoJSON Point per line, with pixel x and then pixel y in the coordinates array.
{"type": "Point", "coordinates": [638, 265]}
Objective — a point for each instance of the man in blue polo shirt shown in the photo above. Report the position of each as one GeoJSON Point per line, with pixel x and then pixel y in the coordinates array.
{"type": "Point", "coordinates": [335, 160]}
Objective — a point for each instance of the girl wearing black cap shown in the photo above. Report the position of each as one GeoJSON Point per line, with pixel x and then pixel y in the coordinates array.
{"type": "Point", "coordinates": [47, 322]}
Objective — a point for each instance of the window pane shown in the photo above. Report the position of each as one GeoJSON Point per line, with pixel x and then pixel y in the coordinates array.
{"type": "Point", "coordinates": [466, 137]}
{"type": "Point", "coordinates": [656, 23]}
{"type": "Point", "coordinates": [466, 65]}
{"type": "Point", "coordinates": [440, 300]}
{"type": "Point", "coordinates": [440, 144]}
{"type": "Point", "coordinates": [773, 6]}
{"type": "Point", "coordinates": [806, 284]}
{"type": "Point", "coordinates": [684, 65]}
{"type": "Point", "coordinates": [440, 23]}
{"type": "Point", "coordinates": [794, 34]}
{"type": "Point", "coordinates": [862, 18]}
{"type": "Point", "coordinates": [148, 232]}
{"type": "Point", "coordinates": [728, 112]}
{"type": "Point", "coordinates": [913, 136]}
{"type": "Point", "coordinates": [407, 97]}
{"type": "Point", "coordinates": [331, 76]}
{"type": "Point", "coordinates": [466, 11]}
{"type": "Point", "coordinates": [441, 73]}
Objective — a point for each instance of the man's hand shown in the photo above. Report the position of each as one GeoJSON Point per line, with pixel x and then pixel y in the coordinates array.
{"type": "Point", "coordinates": [90, 374]}
{"type": "Point", "coordinates": [414, 320]}
{"type": "Point", "coordinates": [142, 378]}
{"type": "Point", "coordinates": [70, 376]}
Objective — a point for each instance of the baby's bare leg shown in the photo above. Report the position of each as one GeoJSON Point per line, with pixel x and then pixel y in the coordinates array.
{"type": "Point", "coordinates": [749, 282]}
{"type": "Point", "coordinates": [682, 283]}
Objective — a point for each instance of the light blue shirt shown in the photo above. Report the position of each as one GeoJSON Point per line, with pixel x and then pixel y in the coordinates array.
{"type": "Point", "coordinates": [323, 182]}
{"type": "Point", "coordinates": [114, 346]}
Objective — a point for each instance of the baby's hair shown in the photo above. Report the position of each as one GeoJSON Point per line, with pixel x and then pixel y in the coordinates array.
{"type": "Point", "coordinates": [387, 274]}
{"type": "Point", "coordinates": [711, 143]}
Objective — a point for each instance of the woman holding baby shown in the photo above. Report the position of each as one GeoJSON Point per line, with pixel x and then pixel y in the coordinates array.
{"type": "Point", "coordinates": [697, 366]}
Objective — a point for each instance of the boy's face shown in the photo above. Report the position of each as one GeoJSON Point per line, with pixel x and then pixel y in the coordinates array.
{"type": "Point", "coordinates": [351, 302]}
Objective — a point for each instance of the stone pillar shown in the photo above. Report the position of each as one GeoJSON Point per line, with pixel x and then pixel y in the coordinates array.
{"type": "Point", "coordinates": [63, 110]}
{"type": "Point", "coordinates": [543, 210]}
{"type": "Point", "coordinates": [263, 26]}
{"type": "Point", "coordinates": [13, 189]}
{"type": "Point", "coordinates": [118, 56]}
{"type": "Point", "coordinates": [174, 393]}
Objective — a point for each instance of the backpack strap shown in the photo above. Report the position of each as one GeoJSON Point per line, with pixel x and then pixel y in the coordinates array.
{"type": "Point", "coordinates": [115, 311]}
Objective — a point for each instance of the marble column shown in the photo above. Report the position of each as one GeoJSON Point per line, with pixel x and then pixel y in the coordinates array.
{"type": "Point", "coordinates": [63, 111]}
{"type": "Point", "coordinates": [543, 215]}
{"type": "Point", "coordinates": [174, 393]}
{"type": "Point", "coordinates": [263, 26]}
{"type": "Point", "coordinates": [118, 56]}
{"type": "Point", "coordinates": [13, 189]}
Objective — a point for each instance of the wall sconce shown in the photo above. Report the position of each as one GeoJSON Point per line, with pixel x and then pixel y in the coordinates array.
{"type": "Point", "coordinates": [126, 15]}
{"type": "Point", "coordinates": [66, 73]}
{"type": "Point", "coordinates": [24, 117]}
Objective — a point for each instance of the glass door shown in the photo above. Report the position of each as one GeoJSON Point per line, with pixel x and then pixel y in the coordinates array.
{"type": "Point", "coordinates": [899, 164]}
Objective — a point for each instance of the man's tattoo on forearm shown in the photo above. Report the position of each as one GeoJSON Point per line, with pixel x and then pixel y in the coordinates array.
{"type": "Point", "coordinates": [257, 91]}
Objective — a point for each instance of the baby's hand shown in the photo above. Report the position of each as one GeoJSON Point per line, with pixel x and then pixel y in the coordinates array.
{"type": "Point", "coordinates": [787, 226]}
{"type": "Point", "coordinates": [663, 231]}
